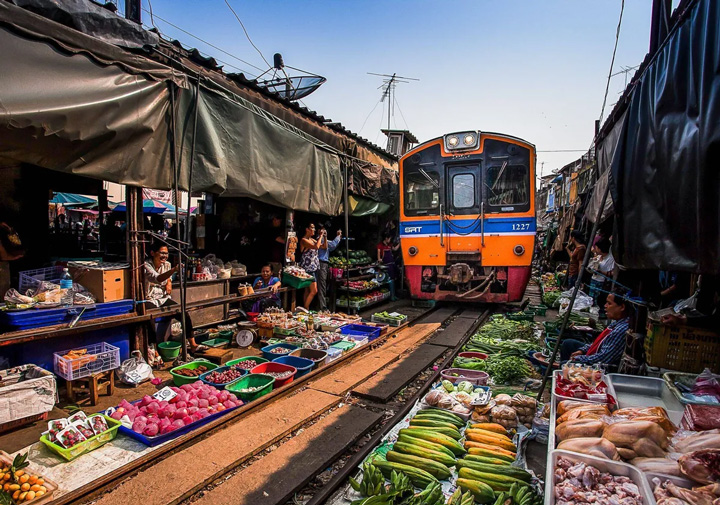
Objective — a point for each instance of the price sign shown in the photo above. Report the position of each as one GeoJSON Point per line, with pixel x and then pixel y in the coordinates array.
{"type": "Point", "coordinates": [165, 394]}
{"type": "Point", "coordinates": [134, 377]}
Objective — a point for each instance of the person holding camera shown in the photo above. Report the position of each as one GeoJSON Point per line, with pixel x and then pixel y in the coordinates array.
{"type": "Point", "coordinates": [324, 256]}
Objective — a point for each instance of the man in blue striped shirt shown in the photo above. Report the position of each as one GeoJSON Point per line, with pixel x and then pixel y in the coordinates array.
{"type": "Point", "coordinates": [608, 348]}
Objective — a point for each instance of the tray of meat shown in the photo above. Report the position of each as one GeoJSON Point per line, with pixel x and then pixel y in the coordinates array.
{"type": "Point", "coordinates": [669, 490]}
{"type": "Point", "coordinates": [576, 479]}
{"type": "Point", "coordinates": [578, 388]}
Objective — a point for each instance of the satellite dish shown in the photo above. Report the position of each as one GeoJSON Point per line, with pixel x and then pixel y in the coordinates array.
{"type": "Point", "coordinates": [291, 87]}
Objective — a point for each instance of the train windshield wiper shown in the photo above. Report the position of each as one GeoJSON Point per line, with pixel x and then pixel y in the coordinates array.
{"type": "Point", "coordinates": [432, 181]}
{"type": "Point", "coordinates": [502, 169]}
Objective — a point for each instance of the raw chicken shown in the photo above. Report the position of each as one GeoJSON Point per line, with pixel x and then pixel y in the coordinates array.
{"type": "Point", "coordinates": [699, 441]}
{"type": "Point", "coordinates": [657, 415]}
{"type": "Point", "coordinates": [635, 439]}
{"type": "Point", "coordinates": [567, 405]}
{"type": "Point", "coordinates": [701, 466]}
{"type": "Point", "coordinates": [580, 428]}
{"type": "Point", "coordinates": [578, 483]}
{"type": "Point", "coordinates": [667, 492]}
{"type": "Point", "coordinates": [658, 465]}
{"type": "Point", "coordinates": [594, 446]}
{"type": "Point", "coordinates": [589, 411]}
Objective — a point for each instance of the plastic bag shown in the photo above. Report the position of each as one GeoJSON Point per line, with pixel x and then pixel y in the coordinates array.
{"type": "Point", "coordinates": [135, 370]}
{"type": "Point", "coordinates": [707, 384]}
{"type": "Point", "coordinates": [81, 296]}
{"type": "Point", "coordinates": [582, 302]}
{"type": "Point", "coordinates": [14, 297]}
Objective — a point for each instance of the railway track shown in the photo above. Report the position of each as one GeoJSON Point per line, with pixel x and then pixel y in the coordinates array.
{"type": "Point", "coordinates": [299, 443]}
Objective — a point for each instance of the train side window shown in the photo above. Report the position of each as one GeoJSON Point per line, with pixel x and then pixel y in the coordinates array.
{"type": "Point", "coordinates": [507, 186]}
{"type": "Point", "coordinates": [422, 197]}
{"type": "Point", "coordinates": [463, 186]}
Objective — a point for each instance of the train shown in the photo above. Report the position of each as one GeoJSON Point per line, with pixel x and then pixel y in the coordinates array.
{"type": "Point", "coordinates": [467, 217]}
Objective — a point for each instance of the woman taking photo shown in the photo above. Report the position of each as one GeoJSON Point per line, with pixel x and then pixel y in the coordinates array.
{"type": "Point", "coordinates": [158, 286]}
{"type": "Point", "coordinates": [309, 260]}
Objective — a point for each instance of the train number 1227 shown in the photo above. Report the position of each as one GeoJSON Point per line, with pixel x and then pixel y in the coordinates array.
{"type": "Point", "coordinates": [521, 226]}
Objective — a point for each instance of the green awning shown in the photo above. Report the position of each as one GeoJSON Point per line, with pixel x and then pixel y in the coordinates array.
{"type": "Point", "coordinates": [360, 206]}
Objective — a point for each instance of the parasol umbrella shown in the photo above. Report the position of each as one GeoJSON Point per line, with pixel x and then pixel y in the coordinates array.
{"type": "Point", "coordinates": [149, 207]}
{"type": "Point", "coordinates": [72, 200]}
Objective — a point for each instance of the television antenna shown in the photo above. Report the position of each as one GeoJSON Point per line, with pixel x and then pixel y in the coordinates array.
{"type": "Point", "coordinates": [290, 87]}
{"type": "Point", "coordinates": [388, 86]}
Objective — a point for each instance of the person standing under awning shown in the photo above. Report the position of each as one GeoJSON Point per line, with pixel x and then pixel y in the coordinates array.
{"type": "Point", "coordinates": [324, 256]}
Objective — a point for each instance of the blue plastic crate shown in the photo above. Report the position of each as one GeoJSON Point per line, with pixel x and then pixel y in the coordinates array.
{"type": "Point", "coordinates": [361, 330]}
{"type": "Point", "coordinates": [303, 365]}
{"type": "Point", "coordinates": [38, 318]}
{"type": "Point", "coordinates": [221, 369]}
{"type": "Point", "coordinates": [159, 439]}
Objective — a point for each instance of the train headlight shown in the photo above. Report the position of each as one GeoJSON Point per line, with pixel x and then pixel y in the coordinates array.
{"type": "Point", "coordinates": [519, 250]}
{"type": "Point", "coordinates": [462, 141]}
{"type": "Point", "coordinates": [413, 250]}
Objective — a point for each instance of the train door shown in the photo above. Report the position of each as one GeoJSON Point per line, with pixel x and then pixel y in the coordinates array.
{"type": "Point", "coordinates": [462, 209]}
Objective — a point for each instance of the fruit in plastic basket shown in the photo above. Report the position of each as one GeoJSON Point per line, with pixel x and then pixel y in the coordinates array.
{"type": "Point", "coordinates": [150, 417]}
{"type": "Point", "coordinates": [18, 484]}
{"type": "Point", "coordinates": [466, 387]}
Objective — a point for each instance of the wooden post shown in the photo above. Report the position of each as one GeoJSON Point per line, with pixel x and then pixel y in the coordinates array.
{"type": "Point", "coordinates": [134, 225]}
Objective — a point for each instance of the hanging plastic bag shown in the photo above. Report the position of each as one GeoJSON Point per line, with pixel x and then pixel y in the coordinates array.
{"type": "Point", "coordinates": [582, 302]}
{"type": "Point", "coordinates": [135, 370]}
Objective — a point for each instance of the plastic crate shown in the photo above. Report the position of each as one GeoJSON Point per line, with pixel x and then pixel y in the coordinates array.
{"type": "Point", "coordinates": [276, 368]}
{"type": "Point", "coordinates": [317, 356]}
{"type": "Point", "coordinates": [520, 316]}
{"type": "Point", "coordinates": [295, 282]}
{"type": "Point", "coordinates": [257, 359]}
{"type": "Point", "coordinates": [361, 330]}
{"type": "Point", "coordinates": [269, 355]}
{"type": "Point", "coordinates": [263, 382]}
{"type": "Point", "coordinates": [538, 310]}
{"type": "Point", "coordinates": [37, 318]}
{"type": "Point", "coordinates": [220, 385]}
{"type": "Point", "coordinates": [682, 348]}
{"type": "Point", "coordinates": [31, 279]}
{"type": "Point", "coordinates": [389, 321]}
{"type": "Point", "coordinates": [302, 365]}
{"type": "Point", "coordinates": [98, 358]}
{"type": "Point", "coordinates": [179, 380]}
{"type": "Point", "coordinates": [88, 445]}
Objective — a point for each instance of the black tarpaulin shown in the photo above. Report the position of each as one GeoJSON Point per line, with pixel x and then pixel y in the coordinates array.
{"type": "Point", "coordinates": [666, 170]}
{"type": "Point", "coordinates": [605, 155]}
{"type": "Point", "coordinates": [373, 181]}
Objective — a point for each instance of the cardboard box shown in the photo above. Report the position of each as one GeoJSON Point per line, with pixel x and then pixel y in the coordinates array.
{"type": "Point", "coordinates": [107, 282]}
{"type": "Point", "coordinates": [25, 391]}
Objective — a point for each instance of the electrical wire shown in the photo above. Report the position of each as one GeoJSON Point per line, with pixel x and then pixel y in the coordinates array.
{"type": "Point", "coordinates": [211, 45]}
{"type": "Point", "coordinates": [152, 18]}
{"type": "Point", "coordinates": [401, 114]}
{"type": "Point", "coordinates": [368, 117]}
{"type": "Point", "coordinates": [247, 35]}
{"type": "Point", "coordinates": [612, 62]}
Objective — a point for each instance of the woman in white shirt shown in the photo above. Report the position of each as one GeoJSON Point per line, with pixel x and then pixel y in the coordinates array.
{"type": "Point", "coordinates": [158, 286]}
{"type": "Point", "coordinates": [603, 265]}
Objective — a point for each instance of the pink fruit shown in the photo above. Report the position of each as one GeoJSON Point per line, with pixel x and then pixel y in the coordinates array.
{"type": "Point", "coordinates": [141, 419]}
{"type": "Point", "coordinates": [204, 412]}
{"type": "Point", "coordinates": [186, 387]}
{"type": "Point", "coordinates": [181, 404]}
{"type": "Point", "coordinates": [153, 407]}
{"type": "Point", "coordinates": [166, 429]}
{"type": "Point", "coordinates": [196, 416]}
{"type": "Point", "coordinates": [193, 402]}
{"type": "Point", "coordinates": [228, 404]}
{"type": "Point", "coordinates": [138, 427]}
{"type": "Point", "coordinates": [192, 410]}
{"type": "Point", "coordinates": [187, 420]}
{"type": "Point", "coordinates": [116, 415]}
{"type": "Point", "coordinates": [146, 400]}
{"type": "Point", "coordinates": [163, 404]}
{"type": "Point", "coordinates": [177, 424]}
{"type": "Point", "coordinates": [203, 403]}
{"type": "Point", "coordinates": [180, 413]}
{"type": "Point", "coordinates": [212, 400]}
{"type": "Point", "coordinates": [151, 430]}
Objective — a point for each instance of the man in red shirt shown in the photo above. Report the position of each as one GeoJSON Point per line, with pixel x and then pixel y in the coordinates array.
{"type": "Point", "coordinates": [576, 256]}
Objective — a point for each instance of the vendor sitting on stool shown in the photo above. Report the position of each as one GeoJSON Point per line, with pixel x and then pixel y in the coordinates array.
{"type": "Point", "coordinates": [609, 346]}
{"type": "Point", "coordinates": [266, 280]}
{"type": "Point", "coordinates": [158, 286]}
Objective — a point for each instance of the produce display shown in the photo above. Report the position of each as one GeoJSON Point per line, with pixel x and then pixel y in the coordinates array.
{"type": "Point", "coordinates": [505, 329]}
{"type": "Point", "coordinates": [355, 258]}
{"type": "Point", "coordinates": [391, 316]}
{"type": "Point", "coordinates": [75, 429]}
{"type": "Point", "coordinates": [430, 451]}
{"type": "Point", "coordinates": [279, 350]}
{"type": "Point", "coordinates": [19, 485]}
{"type": "Point", "coordinates": [224, 377]}
{"type": "Point", "coordinates": [582, 483]}
{"type": "Point", "coordinates": [192, 402]}
{"type": "Point", "coordinates": [582, 382]}
{"type": "Point", "coordinates": [247, 364]}
{"type": "Point", "coordinates": [298, 272]}
{"type": "Point", "coordinates": [279, 375]}
{"type": "Point", "coordinates": [191, 372]}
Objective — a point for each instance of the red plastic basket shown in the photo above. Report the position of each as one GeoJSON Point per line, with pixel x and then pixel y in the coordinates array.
{"type": "Point", "coordinates": [270, 367]}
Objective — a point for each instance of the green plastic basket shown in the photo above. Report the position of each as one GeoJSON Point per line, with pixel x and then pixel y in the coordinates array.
{"type": "Point", "coordinates": [169, 350]}
{"type": "Point", "coordinates": [258, 360]}
{"type": "Point", "coordinates": [89, 445]}
{"type": "Point", "coordinates": [179, 380]}
{"type": "Point", "coordinates": [519, 316]}
{"type": "Point", "coordinates": [295, 282]}
{"type": "Point", "coordinates": [216, 342]}
{"type": "Point", "coordinates": [253, 380]}
{"type": "Point", "coordinates": [538, 310]}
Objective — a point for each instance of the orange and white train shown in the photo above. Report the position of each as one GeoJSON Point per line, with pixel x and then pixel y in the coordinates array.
{"type": "Point", "coordinates": [467, 217]}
